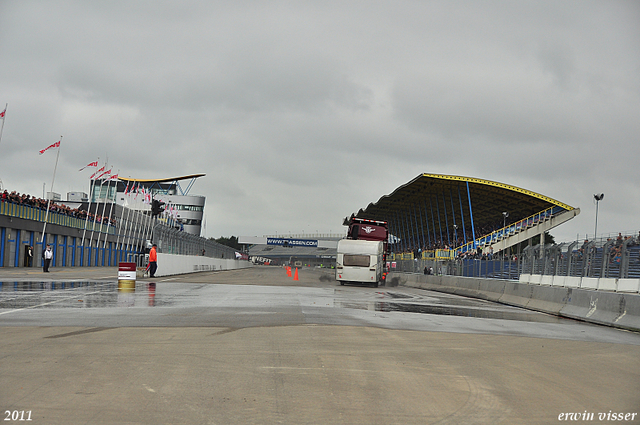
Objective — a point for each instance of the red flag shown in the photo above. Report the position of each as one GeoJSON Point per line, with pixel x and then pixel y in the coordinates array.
{"type": "Point", "coordinates": [114, 177]}
{"type": "Point", "coordinates": [96, 173]}
{"type": "Point", "coordinates": [55, 145]}
{"type": "Point", "coordinates": [106, 172]}
{"type": "Point", "coordinates": [2, 114]}
{"type": "Point", "coordinates": [91, 164]}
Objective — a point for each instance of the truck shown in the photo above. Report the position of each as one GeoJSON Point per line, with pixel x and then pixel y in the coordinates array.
{"type": "Point", "coordinates": [360, 261]}
{"type": "Point", "coordinates": [366, 230]}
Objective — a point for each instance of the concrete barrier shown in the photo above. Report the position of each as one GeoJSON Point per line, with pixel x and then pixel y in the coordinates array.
{"type": "Point", "coordinates": [629, 285]}
{"type": "Point", "coordinates": [466, 286]}
{"type": "Point", "coordinates": [170, 264]}
{"type": "Point", "coordinates": [524, 278]}
{"type": "Point", "coordinates": [630, 317]}
{"type": "Point", "coordinates": [546, 280]}
{"type": "Point", "coordinates": [607, 284]}
{"type": "Point", "coordinates": [572, 281]}
{"type": "Point", "coordinates": [599, 307]}
{"type": "Point", "coordinates": [559, 281]}
{"type": "Point", "coordinates": [516, 293]}
{"type": "Point", "coordinates": [614, 309]}
{"type": "Point", "coordinates": [492, 290]}
{"type": "Point", "coordinates": [589, 283]}
{"type": "Point", "coordinates": [548, 300]}
{"type": "Point", "coordinates": [535, 279]}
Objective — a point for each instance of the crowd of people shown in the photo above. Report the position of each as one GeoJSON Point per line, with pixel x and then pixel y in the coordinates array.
{"type": "Point", "coordinates": [31, 201]}
{"type": "Point", "coordinates": [616, 250]}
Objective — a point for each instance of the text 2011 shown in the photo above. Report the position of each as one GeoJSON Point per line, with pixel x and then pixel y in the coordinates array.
{"type": "Point", "coordinates": [17, 415]}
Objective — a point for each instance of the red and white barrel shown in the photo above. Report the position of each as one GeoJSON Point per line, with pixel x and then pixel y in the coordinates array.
{"type": "Point", "coordinates": [127, 277]}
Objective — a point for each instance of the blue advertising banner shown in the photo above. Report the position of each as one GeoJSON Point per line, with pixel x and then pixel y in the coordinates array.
{"type": "Point", "coordinates": [292, 242]}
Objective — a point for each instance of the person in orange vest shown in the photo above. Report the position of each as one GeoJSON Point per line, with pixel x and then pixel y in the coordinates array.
{"type": "Point", "coordinates": [153, 261]}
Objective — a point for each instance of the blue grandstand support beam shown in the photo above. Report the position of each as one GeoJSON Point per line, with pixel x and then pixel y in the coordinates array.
{"type": "Point", "coordinates": [473, 228]}
{"type": "Point", "coordinates": [424, 244]}
{"type": "Point", "coordinates": [464, 233]}
{"type": "Point", "coordinates": [439, 222]}
{"type": "Point", "coordinates": [426, 220]}
{"type": "Point", "coordinates": [393, 228]}
{"type": "Point", "coordinates": [453, 214]}
{"type": "Point", "coordinates": [416, 237]}
{"type": "Point", "coordinates": [398, 236]}
{"type": "Point", "coordinates": [433, 221]}
{"type": "Point", "coordinates": [407, 222]}
{"type": "Point", "coordinates": [407, 234]}
{"type": "Point", "coordinates": [407, 218]}
{"type": "Point", "coordinates": [446, 219]}
{"type": "Point", "coordinates": [403, 232]}
{"type": "Point", "coordinates": [401, 242]}
{"type": "Point", "coordinates": [392, 231]}
{"type": "Point", "coordinates": [398, 232]}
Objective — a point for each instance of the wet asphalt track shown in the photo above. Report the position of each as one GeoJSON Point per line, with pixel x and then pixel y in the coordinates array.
{"type": "Point", "coordinates": [309, 351]}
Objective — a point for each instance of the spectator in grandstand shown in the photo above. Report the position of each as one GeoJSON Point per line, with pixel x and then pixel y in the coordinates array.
{"type": "Point", "coordinates": [583, 248]}
{"type": "Point", "coordinates": [27, 200]}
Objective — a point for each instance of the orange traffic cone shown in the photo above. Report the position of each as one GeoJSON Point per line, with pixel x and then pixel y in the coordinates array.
{"type": "Point", "coordinates": [295, 276]}
{"type": "Point", "coordinates": [288, 271]}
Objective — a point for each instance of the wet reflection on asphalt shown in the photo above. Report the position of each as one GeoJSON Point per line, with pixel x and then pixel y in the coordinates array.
{"type": "Point", "coordinates": [77, 295]}
{"type": "Point", "coordinates": [23, 295]}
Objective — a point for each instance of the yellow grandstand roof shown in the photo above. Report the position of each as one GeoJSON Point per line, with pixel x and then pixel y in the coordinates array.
{"type": "Point", "coordinates": [164, 180]}
{"type": "Point", "coordinates": [446, 197]}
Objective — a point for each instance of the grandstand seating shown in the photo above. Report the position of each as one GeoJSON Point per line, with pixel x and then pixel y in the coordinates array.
{"type": "Point", "coordinates": [512, 229]}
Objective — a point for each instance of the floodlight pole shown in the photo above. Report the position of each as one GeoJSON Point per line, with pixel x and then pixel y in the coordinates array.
{"type": "Point", "coordinates": [505, 214]}
{"type": "Point", "coordinates": [598, 198]}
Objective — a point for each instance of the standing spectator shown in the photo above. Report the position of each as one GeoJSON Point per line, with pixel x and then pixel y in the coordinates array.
{"type": "Point", "coordinates": [28, 260]}
{"type": "Point", "coordinates": [153, 261]}
{"type": "Point", "coordinates": [48, 255]}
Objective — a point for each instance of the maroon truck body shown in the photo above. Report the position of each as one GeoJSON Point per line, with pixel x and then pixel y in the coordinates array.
{"type": "Point", "coordinates": [371, 230]}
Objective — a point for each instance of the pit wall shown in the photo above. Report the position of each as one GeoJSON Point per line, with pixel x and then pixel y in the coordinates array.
{"type": "Point", "coordinates": [616, 309]}
{"type": "Point", "coordinates": [171, 264]}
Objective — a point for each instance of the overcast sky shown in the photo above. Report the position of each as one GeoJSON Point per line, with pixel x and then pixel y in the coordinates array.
{"type": "Point", "coordinates": [302, 112]}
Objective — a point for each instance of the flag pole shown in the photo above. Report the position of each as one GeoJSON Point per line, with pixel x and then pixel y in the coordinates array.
{"type": "Point", "coordinates": [3, 118]}
{"type": "Point", "coordinates": [111, 208]}
{"type": "Point", "coordinates": [46, 216]}
{"type": "Point", "coordinates": [86, 221]}
{"type": "Point", "coordinates": [93, 227]}
{"type": "Point", "coordinates": [104, 206]}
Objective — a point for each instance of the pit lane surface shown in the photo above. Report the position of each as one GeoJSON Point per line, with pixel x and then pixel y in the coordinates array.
{"type": "Point", "coordinates": [254, 346]}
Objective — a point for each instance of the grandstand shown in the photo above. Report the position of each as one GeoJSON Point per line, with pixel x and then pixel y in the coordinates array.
{"type": "Point", "coordinates": [445, 216]}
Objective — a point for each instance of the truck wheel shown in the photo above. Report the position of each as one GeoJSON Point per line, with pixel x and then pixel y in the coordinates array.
{"type": "Point", "coordinates": [375, 285]}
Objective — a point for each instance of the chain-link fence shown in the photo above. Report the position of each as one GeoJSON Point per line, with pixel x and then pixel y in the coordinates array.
{"type": "Point", "coordinates": [602, 258]}
{"type": "Point", "coordinates": [173, 241]}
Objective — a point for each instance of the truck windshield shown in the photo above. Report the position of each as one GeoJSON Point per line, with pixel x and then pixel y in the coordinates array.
{"type": "Point", "coordinates": [356, 260]}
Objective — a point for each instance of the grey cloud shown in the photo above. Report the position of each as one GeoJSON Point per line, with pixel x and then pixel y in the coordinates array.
{"type": "Point", "coordinates": [303, 112]}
